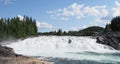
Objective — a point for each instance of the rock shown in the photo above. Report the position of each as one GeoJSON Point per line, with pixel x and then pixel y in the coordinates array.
{"type": "Point", "coordinates": [111, 38]}
{"type": "Point", "coordinates": [6, 51]}
{"type": "Point", "coordinates": [8, 56]}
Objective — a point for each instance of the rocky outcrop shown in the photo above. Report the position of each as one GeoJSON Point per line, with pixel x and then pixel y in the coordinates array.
{"type": "Point", "coordinates": [7, 56]}
{"type": "Point", "coordinates": [110, 38]}
{"type": "Point", "coordinates": [6, 51]}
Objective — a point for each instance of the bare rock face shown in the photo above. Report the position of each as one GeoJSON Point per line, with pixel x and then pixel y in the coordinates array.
{"type": "Point", "coordinates": [111, 38]}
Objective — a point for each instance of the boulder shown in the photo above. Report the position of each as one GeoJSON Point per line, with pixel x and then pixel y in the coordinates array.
{"type": "Point", "coordinates": [6, 51]}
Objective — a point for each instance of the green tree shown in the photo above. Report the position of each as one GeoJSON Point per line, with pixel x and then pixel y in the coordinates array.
{"type": "Point", "coordinates": [115, 24]}
{"type": "Point", "coordinates": [107, 28]}
{"type": "Point", "coordinates": [59, 33]}
{"type": "Point", "coordinates": [16, 28]}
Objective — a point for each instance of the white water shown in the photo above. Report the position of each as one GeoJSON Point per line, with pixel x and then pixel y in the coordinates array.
{"type": "Point", "coordinates": [55, 46]}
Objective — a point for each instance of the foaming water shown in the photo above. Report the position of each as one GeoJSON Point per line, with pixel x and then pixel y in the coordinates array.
{"type": "Point", "coordinates": [76, 48]}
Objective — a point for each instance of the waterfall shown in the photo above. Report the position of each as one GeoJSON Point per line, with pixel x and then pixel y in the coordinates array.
{"type": "Point", "coordinates": [71, 47]}
{"type": "Point", "coordinates": [58, 44]}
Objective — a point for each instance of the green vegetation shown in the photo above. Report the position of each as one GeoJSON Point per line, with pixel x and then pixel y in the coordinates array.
{"type": "Point", "coordinates": [90, 31]}
{"type": "Point", "coordinates": [107, 28]}
{"type": "Point", "coordinates": [16, 28]}
{"type": "Point", "coordinates": [114, 26]}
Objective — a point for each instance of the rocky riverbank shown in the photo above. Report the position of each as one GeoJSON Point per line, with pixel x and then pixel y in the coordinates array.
{"type": "Point", "coordinates": [110, 38]}
{"type": "Point", "coordinates": [7, 56]}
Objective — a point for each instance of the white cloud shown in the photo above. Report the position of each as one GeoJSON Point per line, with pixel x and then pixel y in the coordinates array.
{"type": "Point", "coordinates": [73, 10]}
{"type": "Point", "coordinates": [96, 11]}
{"type": "Point", "coordinates": [91, 11]}
{"type": "Point", "coordinates": [66, 12]}
{"type": "Point", "coordinates": [100, 14]}
{"type": "Point", "coordinates": [20, 17]}
{"type": "Point", "coordinates": [6, 2]}
{"type": "Point", "coordinates": [76, 10]}
{"type": "Point", "coordinates": [43, 25]}
{"type": "Point", "coordinates": [116, 10]}
{"type": "Point", "coordinates": [79, 11]}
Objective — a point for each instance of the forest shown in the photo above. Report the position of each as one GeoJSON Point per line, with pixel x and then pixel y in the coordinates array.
{"type": "Point", "coordinates": [17, 28]}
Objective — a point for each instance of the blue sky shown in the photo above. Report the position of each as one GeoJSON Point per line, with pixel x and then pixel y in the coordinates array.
{"type": "Point", "coordinates": [67, 15]}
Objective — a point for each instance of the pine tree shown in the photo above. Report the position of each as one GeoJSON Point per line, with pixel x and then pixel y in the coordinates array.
{"type": "Point", "coordinates": [115, 24]}
{"type": "Point", "coordinates": [14, 27]}
{"type": "Point", "coordinates": [59, 33]}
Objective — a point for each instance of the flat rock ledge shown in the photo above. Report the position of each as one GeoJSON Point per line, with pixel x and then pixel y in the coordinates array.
{"type": "Point", "coordinates": [7, 56]}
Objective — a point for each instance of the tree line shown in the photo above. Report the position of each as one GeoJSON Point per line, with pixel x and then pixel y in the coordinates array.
{"type": "Point", "coordinates": [90, 31]}
{"type": "Point", "coordinates": [17, 28]}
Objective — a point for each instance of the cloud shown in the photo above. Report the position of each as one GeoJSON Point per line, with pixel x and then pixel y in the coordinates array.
{"type": "Point", "coordinates": [73, 10]}
{"type": "Point", "coordinates": [6, 2]}
{"type": "Point", "coordinates": [116, 10]}
{"type": "Point", "coordinates": [66, 12]}
{"type": "Point", "coordinates": [44, 25]}
{"type": "Point", "coordinates": [20, 17]}
{"type": "Point", "coordinates": [95, 11]}
{"type": "Point", "coordinates": [99, 14]}
{"type": "Point", "coordinates": [91, 11]}
{"type": "Point", "coordinates": [79, 11]}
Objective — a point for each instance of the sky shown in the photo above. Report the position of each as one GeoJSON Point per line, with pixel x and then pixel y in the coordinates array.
{"type": "Point", "coordinates": [67, 15]}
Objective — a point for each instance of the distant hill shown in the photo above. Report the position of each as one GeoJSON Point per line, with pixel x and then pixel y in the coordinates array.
{"type": "Point", "coordinates": [90, 31]}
